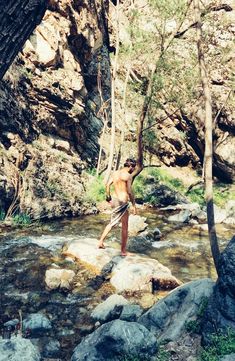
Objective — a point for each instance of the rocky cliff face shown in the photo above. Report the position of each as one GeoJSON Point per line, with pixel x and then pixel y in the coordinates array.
{"type": "Point", "coordinates": [178, 135]}
{"type": "Point", "coordinates": [49, 103]}
{"type": "Point", "coordinates": [52, 98]}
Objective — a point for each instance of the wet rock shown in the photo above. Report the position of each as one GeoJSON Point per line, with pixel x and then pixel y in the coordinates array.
{"type": "Point", "coordinates": [139, 244]}
{"type": "Point", "coordinates": [128, 273]}
{"type": "Point", "coordinates": [193, 207]}
{"type": "Point", "coordinates": [182, 217]}
{"type": "Point", "coordinates": [167, 318]}
{"type": "Point", "coordinates": [157, 234]}
{"type": "Point", "coordinates": [136, 224]}
{"type": "Point", "coordinates": [131, 313]}
{"type": "Point", "coordinates": [220, 313]}
{"type": "Point", "coordinates": [18, 349]}
{"type": "Point", "coordinates": [59, 278]}
{"type": "Point", "coordinates": [109, 309]}
{"type": "Point", "coordinates": [36, 323]}
{"type": "Point", "coordinates": [115, 340]}
{"type": "Point", "coordinates": [52, 349]}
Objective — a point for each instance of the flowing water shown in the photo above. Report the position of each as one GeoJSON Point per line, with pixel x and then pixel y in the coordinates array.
{"type": "Point", "coordinates": [27, 253]}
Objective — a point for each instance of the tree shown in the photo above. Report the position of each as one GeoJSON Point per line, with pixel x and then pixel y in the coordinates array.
{"type": "Point", "coordinates": [113, 98]}
{"type": "Point", "coordinates": [208, 154]}
{"type": "Point", "coordinates": [18, 19]}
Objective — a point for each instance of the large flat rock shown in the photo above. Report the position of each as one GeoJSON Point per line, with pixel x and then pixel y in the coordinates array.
{"type": "Point", "coordinates": [133, 272]}
{"type": "Point", "coordinates": [86, 250]}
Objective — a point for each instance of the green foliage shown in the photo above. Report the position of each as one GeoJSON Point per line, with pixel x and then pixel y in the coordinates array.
{"type": "Point", "coordinates": [169, 8]}
{"type": "Point", "coordinates": [159, 176]}
{"type": "Point", "coordinates": [197, 195]}
{"type": "Point", "coordinates": [52, 186]}
{"type": "Point", "coordinates": [149, 138]}
{"type": "Point", "coordinates": [194, 326]}
{"type": "Point", "coordinates": [26, 73]}
{"type": "Point", "coordinates": [162, 355]}
{"type": "Point", "coordinates": [223, 195]}
{"type": "Point", "coordinates": [95, 191]}
{"type": "Point", "coordinates": [21, 219]}
{"type": "Point", "coordinates": [221, 344]}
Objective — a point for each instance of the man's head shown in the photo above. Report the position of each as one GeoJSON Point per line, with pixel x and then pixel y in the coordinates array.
{"type": "Point", "coordinates": [131, 164]}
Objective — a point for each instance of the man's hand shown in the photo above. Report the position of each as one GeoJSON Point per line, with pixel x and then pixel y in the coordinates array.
{"type": "Point", "coordinates": [108, 198]}
{"type": "Point", "coordinates": [134, 210]}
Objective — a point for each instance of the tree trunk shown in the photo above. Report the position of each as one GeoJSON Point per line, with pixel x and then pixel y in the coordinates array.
{"type": "Point", "coordinates": [208, 154]}
{"type": "Point", "coordinates": [18, 19]}
{"type": "Point", "coordinates": [114, 75]}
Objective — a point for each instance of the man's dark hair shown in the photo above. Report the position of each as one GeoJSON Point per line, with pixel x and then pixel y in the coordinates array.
{"type": "Point", "coordinates": [130, 163]}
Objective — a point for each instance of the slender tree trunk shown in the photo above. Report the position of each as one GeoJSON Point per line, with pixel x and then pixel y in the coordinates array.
{"type": "Point", "coordinates": [140, 126]}
{"type": "Point", "coordinates": [18, 19]}
{"type": "Point", "coordinates": [113, 88]}
{"type": "Point", "coordinates": [124, 117]}
{"type": "Point", "coordinates": [208, 154]}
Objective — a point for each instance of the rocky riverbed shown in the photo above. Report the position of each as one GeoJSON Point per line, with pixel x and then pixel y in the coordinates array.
{"type": "Point", "coordinates": [53, 277]}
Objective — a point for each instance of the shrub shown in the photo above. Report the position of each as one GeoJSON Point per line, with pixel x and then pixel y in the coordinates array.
{"type": "Point", "coordinates": [221, 344]}
{"type": "Point", "coordinates": [22, 219]}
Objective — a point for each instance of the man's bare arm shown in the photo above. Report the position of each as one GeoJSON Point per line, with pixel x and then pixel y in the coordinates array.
{"type": "Point", "coordinates": [107, 189]}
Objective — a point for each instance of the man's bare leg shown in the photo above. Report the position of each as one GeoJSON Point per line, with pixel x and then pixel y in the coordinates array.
{"type": "Point", "coordinates": [125, 218]}
{"type": "Point", "coordinates": [104, 235]}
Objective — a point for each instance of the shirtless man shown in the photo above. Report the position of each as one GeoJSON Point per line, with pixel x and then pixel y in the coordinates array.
{"type": "Point", "coordinates": [122, 181]}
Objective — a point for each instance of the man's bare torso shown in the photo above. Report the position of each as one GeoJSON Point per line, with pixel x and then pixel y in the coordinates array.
{"type": "Point", "coordinates": [121, 181]}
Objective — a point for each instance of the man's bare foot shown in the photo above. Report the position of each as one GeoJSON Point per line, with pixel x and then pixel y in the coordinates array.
{"type": "Point", "coordinates": [101, 246]}
{"type": "Point", "coordinates": [124, 254]}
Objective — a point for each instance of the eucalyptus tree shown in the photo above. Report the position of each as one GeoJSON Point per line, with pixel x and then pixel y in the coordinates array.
{"type": "Point", "coordinates": [208, 154]}
{"type": "Point", "coordinates": [153, 31]}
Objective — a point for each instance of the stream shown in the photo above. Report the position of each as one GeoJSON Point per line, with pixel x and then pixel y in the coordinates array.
{"type": "Point", "coordinates": [27, 253]}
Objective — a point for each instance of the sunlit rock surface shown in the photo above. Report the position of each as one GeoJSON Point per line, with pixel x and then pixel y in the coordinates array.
{"type": "Point", "coordinates": [18, 349]}
{"type": "Point", "coordinates": [56, 278]}
{"type": "Point", "coordinates": [133, 272]}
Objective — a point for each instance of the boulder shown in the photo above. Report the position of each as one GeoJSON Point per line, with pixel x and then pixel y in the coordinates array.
{"type": "Point", "coordinates": [168, 317]}
{"type": "Point", "coordinates": [162, 196]}
{"type": "Point", "coordinates": [116, 340]}
{"type": "Point", "coordinates": [18, 349]}
{"type": "Point", "coordinates": [86, 250]}
{"type": "Point", "coordinates": [131, 313]}
{"type": "Point", "coordinates": [182, 217]}
{"type": "Point", "coordinates": [56, 278]}
{"type": "Point", "coordinates": [52, 349]}
{"type": "Point", "coordinates": [109, 309]}
{"type": "Point", "coordinates": [139, 243]}
{"type": "Point", "coordinates": [134, 273]}
{"type": "Point", "coordinates": [36, 324]}
{"type": "Point", "coordinates": [220, 313]}
{"type": "Point", "coordinates": [136, 224]}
